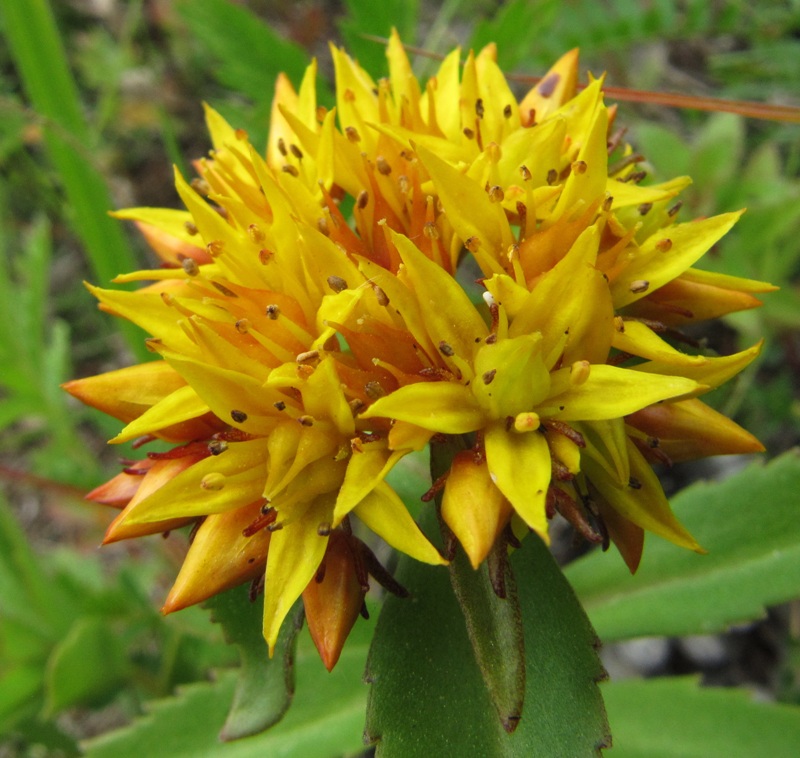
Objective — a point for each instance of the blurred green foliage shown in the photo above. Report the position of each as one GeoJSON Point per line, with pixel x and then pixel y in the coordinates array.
{"type": "Point", "coordinates": [98, 99]}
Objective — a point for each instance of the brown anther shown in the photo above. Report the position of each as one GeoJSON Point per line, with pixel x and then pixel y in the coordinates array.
{"type": "Point", "coordinates": [488, 376]}
{"type": "Point", "coordinates": [337, 284]}
{"type": "Point", "coordinates": [446, 349]}
{"type": "Point", "coordinates": [403, 184]}
{"type": "Point", "coordinates": [305, 420]}
{"type": "Point", "coordinates": [362, 200]}
{"type": "Point", "coordinates": [265, 256]}
{"type": "Point", "coordinates": [356, 405]}
{"type": "Point", "coordinates": [324, 529]}
{"type": "Point", "coordinates": [579, 167]}
{"type": "Point", "coordinates": [273, 312]}
{"type": "Point", "coordinates": [373, 390]}
{"type": "Point", "coordinates": [352, 134]}
{"type": "Point", "coordinates": [190, 266]}
{"type": "Point", "coordinates": [607, 203]}
{"type": "Point", "coordinates": [472, 244]}
{"type": "Point", "coordinates": [525, 173]}
{"type": "Point", "coordinates": [383, 166]}
{"type": "Point", "coordinates": [322, 225]}
{"type": "Point", "coordinates": [289, 169]}
{"type": "Point", "coordinates": [243, 325]}
{"type": "Point", "coordinates": [200, 186]}
{"type": "Point", "coordinates": [491, 339]}
{"type": "Point", "coordinates": [639, 286]}
{"type": "Point", "coordinates": [279, 405]}
{"type": "Point", "coordinates": [619, 324]}
{"type": "Point", "coordinates": [382, 297]}
{"type": "Point", "coordinates": [191, 229]}
{"type": "Point", "coordinates": [468, 133]}
{"type": "Point", "coordinates": [496, 193]}
{"type": "Point", "coordinates": [479, 110]}
{"type": "Point", "coordinates": [508, 111]}
{"type": "Point", "coordinates": [645, 208]}
{"type": "Point", "coordinates": [552, 176]}
{"type": "Point", "coordinates": [256, 234]}
{"type": "Point", "coordinates": [239, 416]}
{"type": "Point", "coordinates": [308, 356]}
{"type": "Point", "coordinates": [282, 147]}
{"type": "Point", "coordinates": [675, 208]}
{"type": "Point", "coordinates": [664, 245]}
{"type": "Point", "coordinates": [653, 442]}
{"type": "Point", "coordinates": [274, 527]}
{"type": "Point", "coordinates": [217, 447]}
{"type": "Point", "coordinates": [635, 177]}
{"type": "Point", "coordinates": [296, 151]}
{"type": "Point", "coordinates": [634, 483]}
{"type": "Point", "coordinates": [215, 248]}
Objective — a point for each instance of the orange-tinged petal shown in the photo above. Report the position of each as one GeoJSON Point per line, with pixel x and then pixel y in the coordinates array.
{"type": "Point", "coordinates": [655, 266]}
{"type": "Point", "coordinates": [690, 429]}
{"type": "Point", "coordinates": [323, 397]}
{"type": "Point", "coordinates": [214, 485]}
{"type": "Point", "coordinates": [405, 436]}
{"type": "Point", "coordinates": [557, 86]}
{"type": "Point", "coordinates": [179, 406]}
{"type": "Point", "coordinates": [473, 507]}
{"type": "Point", "coordinates": [611, 392]}
{"type": "Point", "coordinates": [384, 513]}
{"type": "Point", "coordinates": [333, 599]}
{"type": "Point", "coordinates": [627, 536]}
{"type": "Point", "coordinates": [642, 501]}
{"type": "Point", "coordinates": [444, 407]}
{"type": "Point", "coordinates": [220, 557]}
{"type": "Point", "coordinates": [519, 465]}
{"type": "Point", "coordinates": [127, 393]}
{"type": "Point", "coordinates": [295, 553]}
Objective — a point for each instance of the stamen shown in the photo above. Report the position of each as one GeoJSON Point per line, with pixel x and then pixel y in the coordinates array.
{"type": "Point", "coordinates": [214, 482]}
{"type": "Point", "coordinates": [639, 286]}
{"type": "Point", "coordinates": [217, 447]}
{"type": "Point", "coordinates": [239, 416]}
{"type": "Point", "coordinates": [383, 166]}
{"type": "Point", "coordinates": [273, 311]}
{"type": "Point", "coordinates": [337, 284]}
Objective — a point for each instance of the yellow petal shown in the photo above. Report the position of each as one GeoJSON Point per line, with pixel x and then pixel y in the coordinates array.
{"type": "Point", "coordinates": [519, 465]}
{"type": "Point", "coordinates": [638, 339]}
{"type": "Point", "coordinates": [607, 444]}
{"type": "Point", "coordinates": [386, 515]}
{"type": "Point", "coordinates": [444, 407]}
{"type": "Point", "coordinates": [651, 264]}
{"type": "Point", "coordinates": [611, 392]}
{"type": "Point", "coordinates": [181, 405]}
{"type": "Point", "coordinates": [644, 503]}
{"type": "Point", "coordinates": [473, 507]}
{"type": "Point", "coordinates": [295, 553]}
{"type": "Point", "coordinates": [556, 87]}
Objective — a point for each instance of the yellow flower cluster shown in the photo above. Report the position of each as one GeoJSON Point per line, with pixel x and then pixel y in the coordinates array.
{"type": "Point", "coordinates": [312, 331]}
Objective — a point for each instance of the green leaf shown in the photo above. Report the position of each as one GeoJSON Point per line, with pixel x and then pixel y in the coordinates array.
{"type": "Point", "coordinates": [675, 718]}
{"type": "Point", "coordinates": [326, 718]}
{"type": "Point", "coordinates": [266, 686]}
{"type": "Point", "coordinates": [749, 526]}
{"type": "Point", "coordinates": [86, 667]}
{"type": "Point", "coordinates": [428, 697]}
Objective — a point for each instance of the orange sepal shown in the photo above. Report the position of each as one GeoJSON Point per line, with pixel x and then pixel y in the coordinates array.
{"type": "Point", "coordinates": [334, 598]}
{"type": "Point", "coordinates": [172, 249]}
{"type": "Point", "coordinates": [627, 536]}
{"type": "Point", "coordinates": [120, 489]}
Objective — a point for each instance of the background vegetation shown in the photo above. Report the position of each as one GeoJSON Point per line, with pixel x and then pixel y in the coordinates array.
{"type": "Point", "coordinates": [97, 99]}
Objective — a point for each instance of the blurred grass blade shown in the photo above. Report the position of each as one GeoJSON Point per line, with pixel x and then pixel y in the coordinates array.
{"type": "Point", "coordinates": [39, 57]}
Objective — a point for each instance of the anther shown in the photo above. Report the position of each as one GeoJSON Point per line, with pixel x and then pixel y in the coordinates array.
{"type": "Point", "coordinates": [382, 297]}
{"type": "Point", "coordinates": [239, 416]}
{"type": "Point", "coordinates": [352, 134]}
{"type": "Point", "coordinates": [488, 376]}
{"type": "Point", "coordinates": [273, 312]}
{"type": "Point", "coordinates": [279, 405]}
{"type": "Point", "coordinates": [403, 184]}
{"type": "Point", "coordinates": [296, 151]}
{"type": "Point", "coordinates": [472, 244]}
{"type": "Point", "coordinates": [189, 265]}
{"type": "Point", "coordinates": [356, 405]}
{"type": "Point", "coordinates": [337, 284]}
{"type": "Point", "coordinates": [579, 373]}
{"type": "Point", "coordinates": [373, 390]}
{"type": "Point", "coordinates": [579, 167]}
{"type": "Point", "coordinates": [552, 176]}
{"type": "Point", "coordinates": [306, 420]}
{"type": "Point", "coordinates": [255, 233]}
{"type": "Point", "coordinates": [322, 225]}
{"type": "Point", "coordinates": [308, 356]}
{"type": "Point", "coordinates": [430, 230]}
{"type": "Point", "coordinates": [639, 286]}
{"type": "Point", "coordinates": [446, 349]}
{"type": "Point", "coordinates": [479, 110]}
{"type": "Point", "coordinates": [508, 111]}
{"type": "Point", "coordinates": [200, 185]}
{"type": "Point", "coordinates": [362, 200]}
{"type": "Point", "coordinates": [634, 483]}
{"type": "Point", "coordinates": [191, 229]}
{"type": "Point", "coordinates": [282, 147]}
{"type": "Point", "coordinates": [675, 208]}
{"type": "Point", "coordinates": [289, 169]}
{"type": "Point", "coordinates": [607, 203]}
{"type": "Point", "coordinates": [619, 324]}
{"type": "Point", "coordinates": [241, 134]}
{"type": "Point", "coordinates": [383, 166]}
{"type": "Point", "coordinates": [243, 325]}
{"type": "Point", "coordinates": [215, 247]}
{"type": "Point", "coordinates": [664, 245]}
{"type": "Point", "coordinates": [496, 193]}
{"type": "Point", "coordinates": [265, 256]}
{"type": "Point", "coordinates": [324, 529]}
{"type": "Point", "coordinates": [468, 133]}
{"type": "Point", "coordinates": [217, 447]}
{"type": "Point", "coordinates": [526, 173]}
{"type": "Point", "coordinates": [221, 288]}
{"type": "Point", "coordinates": [645, 208]}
